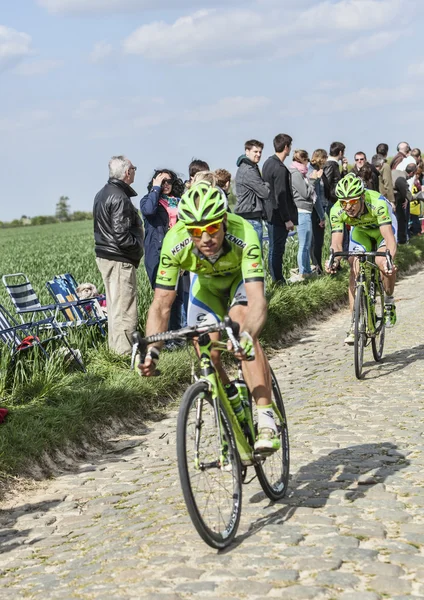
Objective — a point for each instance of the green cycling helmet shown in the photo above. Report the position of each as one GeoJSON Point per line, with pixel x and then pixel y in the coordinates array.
{"type": "Point", "coordinates": [202, 202]}
{"type": "Point", "coordinates": [350, 186]}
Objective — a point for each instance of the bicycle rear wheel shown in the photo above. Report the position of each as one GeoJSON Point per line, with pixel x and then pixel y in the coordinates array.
{"type": "Point", "coordinates": [273, 471]}
{"type": "Point", "coordinates": [377, 342]}
{"type": "Point", "coordinates": [210, 473]}
{"type": "Point", "coordinates": [360, 312]}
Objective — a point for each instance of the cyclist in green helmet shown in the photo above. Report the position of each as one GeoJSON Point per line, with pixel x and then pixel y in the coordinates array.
{"type": "Point", "coordinates": [222, 252]}
{"type": "Point", "coordinates": [373, 226]}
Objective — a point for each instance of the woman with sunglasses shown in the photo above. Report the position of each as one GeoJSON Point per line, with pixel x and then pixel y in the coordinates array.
{"type": "Point", "coordinates": [373, 223]}
{"type": "Point", "coordinates": [159, 208]}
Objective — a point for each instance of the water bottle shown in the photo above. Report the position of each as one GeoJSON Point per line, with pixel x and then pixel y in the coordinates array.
{"type": "Point", "coordinates": [236, 401]}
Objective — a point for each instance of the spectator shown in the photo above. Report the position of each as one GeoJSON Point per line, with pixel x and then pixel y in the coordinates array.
{"type": "Point", "coordinates": [332, 177]}
{"type": "Point", "coordinates": [366, 174]}
{"type": "Point", "coordinates": [194, 167]}
{"type": "Point", "coordinates": [207, 176]}
{"type": "Point", "coordinates": [223, 180]}
{"type": "Point", "coordinates": [402, 158]}
{"type": "Point", "coordinates": [159, 210]}
{"type": "Point", "coordinates": [118, 235]}
{"type": "Point", "coordinates": [402, 198]}
{"type": "Point", "coordinates": [280, 209]}
{"type": "Point", "coordinates": [318, 160]}
{"type": "Point", "coordinates": [370, 172]}
{"type": "Point", "coordinates": [415, 204]}
{"type": "Point", "coordinates": [332, 171]}
{"type": "Point", "coordinates": [385, 181]}
{"type": "Point", "coordinates": [304, 197]}
{"type": "Point", "coordinates": [251, 190]}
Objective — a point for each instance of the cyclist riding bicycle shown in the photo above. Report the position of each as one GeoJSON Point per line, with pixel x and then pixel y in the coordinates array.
{"type": "Point", "coordinates": [373, 223]}
{"type": "Point", "coordinates": [222, 252]}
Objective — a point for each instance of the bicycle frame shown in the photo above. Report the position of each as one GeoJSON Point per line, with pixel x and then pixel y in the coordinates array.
{"type": "Point", "coordinates": [369, 292]}
{"type": "Point", "coordinates": [209, 374]}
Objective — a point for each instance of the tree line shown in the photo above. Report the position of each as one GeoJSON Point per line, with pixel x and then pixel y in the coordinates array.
{"type": "Point", "coordinates": [63, 214]}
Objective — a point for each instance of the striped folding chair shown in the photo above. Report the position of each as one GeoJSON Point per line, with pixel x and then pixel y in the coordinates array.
{"type": "Point", "coordinates": [20, 337]}
{"type": "Point", "coordinates": [87, 312]}
{"type": "Point", "coordinates": [25, 300]}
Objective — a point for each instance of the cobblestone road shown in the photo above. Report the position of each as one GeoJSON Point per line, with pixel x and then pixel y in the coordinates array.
{"type": "Point", "coordinates": [352, 526]}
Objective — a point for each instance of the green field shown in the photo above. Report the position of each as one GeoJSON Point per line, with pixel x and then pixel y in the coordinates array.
{"type": "Point", "coordinates": [51, 405]}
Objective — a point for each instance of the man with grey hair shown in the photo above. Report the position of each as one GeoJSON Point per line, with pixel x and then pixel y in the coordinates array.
{"type": "Point", "coordinates": [118, 236]}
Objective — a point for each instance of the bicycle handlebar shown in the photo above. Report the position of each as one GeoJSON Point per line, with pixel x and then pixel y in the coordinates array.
{"type": "Point", "coordinates": [360, 254]}
{"type": "Point", "coordinates": [140, 343]}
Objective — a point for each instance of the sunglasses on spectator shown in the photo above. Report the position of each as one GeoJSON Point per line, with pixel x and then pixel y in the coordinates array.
{"type": "Point", "coordinates": [360, 159]}
{"type": "Point", "coordinates": [169, 181]}
{"type": "Point", "coordinates": [197, 231]}
{"type": "Point", "coordinates": [351, 202]}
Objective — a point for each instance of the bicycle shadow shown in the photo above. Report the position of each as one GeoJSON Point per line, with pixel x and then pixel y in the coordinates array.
{"type": "Point", "coordinates": [354, 469]}
{"type": "Point", "coordinates": [396, 361]}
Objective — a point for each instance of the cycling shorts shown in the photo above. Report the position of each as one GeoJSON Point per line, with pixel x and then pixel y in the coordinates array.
{"type": "Point", "coordinates": [211, 299]}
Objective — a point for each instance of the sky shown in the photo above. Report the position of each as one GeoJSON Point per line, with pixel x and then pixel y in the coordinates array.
{"type": "Point", "coordinates": [164, 81]}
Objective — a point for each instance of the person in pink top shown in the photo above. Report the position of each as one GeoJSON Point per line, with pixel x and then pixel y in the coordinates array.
{"type": "Point", "coordinates": [159, 208]}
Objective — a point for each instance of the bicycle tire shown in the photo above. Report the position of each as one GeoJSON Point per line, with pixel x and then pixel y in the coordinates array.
{"type": "Point", "coordinates": [213, 495]}
{"type": "Point", "coordinates": [377, 342]}
{"type": "Point", "coordinates": [273, 471]}
{"type": "Point", "coordinates": [360, 315]}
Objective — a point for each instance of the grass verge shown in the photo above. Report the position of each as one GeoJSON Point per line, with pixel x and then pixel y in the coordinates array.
{"type": "Point", "coordinates": [51, 408]}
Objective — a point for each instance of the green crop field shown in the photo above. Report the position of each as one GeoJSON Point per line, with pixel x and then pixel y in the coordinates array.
{"type": "Point", "coordinates": [51, 405]}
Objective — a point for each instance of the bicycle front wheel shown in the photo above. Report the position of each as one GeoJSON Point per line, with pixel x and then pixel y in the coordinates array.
{"type": "Point", "coordinates": [209, 467]}
{"type": "Point", "coordinates": [377, 342]}
{"type": "Point", "coordinates": [360, 311]}
{"type": "Point", "coordinates": [273, 471]}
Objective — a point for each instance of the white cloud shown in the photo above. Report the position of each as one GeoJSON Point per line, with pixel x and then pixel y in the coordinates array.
{"type": "Point", "coordinates": [100, 51]}
{"type": "Point", "coordinates": [416, 69]}
{"type": "Point", "coordinates": [14, 45]}
{"type": "Point", "coordinates": [205, 35]}
{"type": "Point", "coordinates": [228, 108]}
{"type": "Point", "coordinates": [37, 67]}
{"type": "Point", "coordinates": [230, 37]}
{"type": "Point", "coordinates": [358, 100]}
{"type": "Point", "coordinates": [115, 6]}
{"type": "Point", "coordinates": [375, 42]}
{"type": "Point", "coordinates": [351, 15]}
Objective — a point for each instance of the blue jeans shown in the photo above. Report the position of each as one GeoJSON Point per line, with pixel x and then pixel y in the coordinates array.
{"type": "Point", "coordinates": [258, 227]}
{"type": "Point", "coordinates": [304, 234]}
{"type": "Point", "coordinates": [277, 235]}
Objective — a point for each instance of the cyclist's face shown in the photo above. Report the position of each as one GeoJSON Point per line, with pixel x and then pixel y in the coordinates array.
{"type": "Point", "coordinates": [352, 206]}
{"type": "Point", "coordinates": [209, 244]}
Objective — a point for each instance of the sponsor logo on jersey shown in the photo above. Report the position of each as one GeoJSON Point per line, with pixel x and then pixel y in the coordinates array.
{"type": "Point", "coordinates": [254, 252]}
{"type": "Point", "coordinates": [162, 278]}
{"type": "Point", "coordinates": [180, 246]}
{"type": "Point", "coordinates": [166, 261]}
{"type": "Point", "coordinates": [162, 272]}
{"type": "Point", "coordinates": [254, 265]}
{"type": "Point", "coordinates": [201, 317]}
{"type": "Point", "coordinates": [235, 240]}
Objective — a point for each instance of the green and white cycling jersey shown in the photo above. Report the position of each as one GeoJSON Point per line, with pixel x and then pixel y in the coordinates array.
{"type": "Point", "coordinates": [215, 285]}
{"type": "Point", "coordinates": [365, 230]}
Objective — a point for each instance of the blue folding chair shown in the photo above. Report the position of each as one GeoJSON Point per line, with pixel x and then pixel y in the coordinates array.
{"type": "Point", "coordinates": [20, 337]}
{"type": "Point", "coordinates": [87, 312]}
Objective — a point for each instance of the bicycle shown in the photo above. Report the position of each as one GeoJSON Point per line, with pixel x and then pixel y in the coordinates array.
{"type": "Point", "coordinates": [368, 312]}
{"type": "Point", "coordinates": [213, 448]}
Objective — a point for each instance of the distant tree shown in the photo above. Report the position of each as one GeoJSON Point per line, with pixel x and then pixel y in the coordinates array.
{"type": "Point", "coordinates": [80, 215]}
{"type": "Point", "coordinates": [63, 209]}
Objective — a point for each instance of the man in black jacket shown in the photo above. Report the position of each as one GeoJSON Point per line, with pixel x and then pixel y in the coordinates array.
{"type": "Point", "coordinates": [332, 172]}
{"type": "Point", "coordinates": [118, 236]}
{"type": "Point", "coordinates": [281, 211]}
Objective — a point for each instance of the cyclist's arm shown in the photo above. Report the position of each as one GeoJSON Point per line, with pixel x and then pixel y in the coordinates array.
{"type": "Point", "coordinates": [337, 241]}
{"type": "Point", "coordinates": [159, 313]}
{"type": "Point", "coordinates": [389, 238]}
{"type": "Point", "coordinates": [257, 313]}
